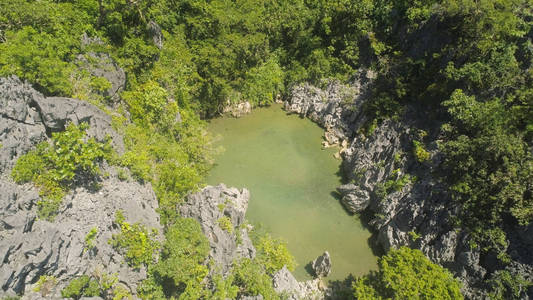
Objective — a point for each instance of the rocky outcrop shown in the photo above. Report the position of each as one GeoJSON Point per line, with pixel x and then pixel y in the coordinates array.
{"type": "Point", "coordinates": [220, 212]}
{"type": "Point", "coordinates": [31, 247]}
{"type": "Point", "coordinates": [238, 110]}
{"type": "Point", "coordinates": [337, 108]}
{"type": "Point", "coordinates": [404, 201]}
{"type": "Point", "coordinates": [155, 32]}
{"type": "Point", "coordinates": [322, 265]}
{"type": "Point", "coordinates": [215, 203]}
{"type": "Point", "coordinates": [285, 284]}
{"type": "Point", "coordinates": [101, 64]}
{"type": "Point", "coordinates": [27, 117]}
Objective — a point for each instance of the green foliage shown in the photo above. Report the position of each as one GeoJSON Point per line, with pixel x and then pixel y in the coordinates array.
{"type": "Point", "coordinates": [253, 280]}
{"type": "Point", "coordinates": [134, 241]}
{"type": "Point", "coordinates": [407, 274]}
{"type": "Point", "coordinates": [505, 285]}
{"type": "Point", "coordinates": [99, 285]}
{"type": "Point", "coordinates": [180, 270]}
{"type": "Point", "coordinates": [45, 284]}
{"type": "Point", "coordinates": [272, 253]}
{"type": "Point", "coordinates": [489, 167]}
{"type": "Point", "coordinates": [90, 239]}
{"type": "Point", "coordinates": [76, 288]}
{"type": "Point", "coordinates": [54, 167]}
{"type": "Point", "coordinates": [225, 223]}
{"type": "Point", "coordinates": [420, 153]}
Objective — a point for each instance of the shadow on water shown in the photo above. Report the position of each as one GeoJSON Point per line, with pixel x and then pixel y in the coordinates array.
{"type": "Point", "coordinates": [342, 289]}
{"type": "Point", "coordinates": [309, 269]}
{"type": "Point", "coordinates": [364, 219]}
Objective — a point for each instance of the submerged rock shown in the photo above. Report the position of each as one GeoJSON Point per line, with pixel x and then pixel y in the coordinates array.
{"type": "Point", "coordinates": [322, 265]}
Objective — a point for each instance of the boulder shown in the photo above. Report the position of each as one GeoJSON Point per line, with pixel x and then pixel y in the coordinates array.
{"type": "Point", "coordinates": [322, 265]}
{"type": "Point", "coordinates": [354, 198]}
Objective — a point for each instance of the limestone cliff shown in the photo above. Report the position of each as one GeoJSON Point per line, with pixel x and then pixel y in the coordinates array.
{"type": "Point", "coordinates": [406, 201]}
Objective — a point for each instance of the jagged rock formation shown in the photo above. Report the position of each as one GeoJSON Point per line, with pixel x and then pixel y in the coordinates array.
{"type": "Point", "coordinates": [27, 117]}
{"type": "Point", "coordinates": [416, 213]}
{"type": "Point", "coordinates": [100, 64]}
{"type": "Point", "coordinates": [322, 265]}
{"type": "Point", "coordinates": [337, 108]}
{"type": "Point", "coordinates": [30, 247]}
{"type": "Point", "coordinates": [213, 203]}
{"type": "Point", "coordinates": [285, 284]}
{"type": "Point", "coordinates": [210, 207]}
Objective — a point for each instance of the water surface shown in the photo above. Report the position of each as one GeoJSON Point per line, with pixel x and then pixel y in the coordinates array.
{"type": "Point", "coordinates": [292, 180]}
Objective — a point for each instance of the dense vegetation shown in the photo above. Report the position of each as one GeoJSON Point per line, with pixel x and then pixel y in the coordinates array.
{"type": "Point", "coordinates": [407, 274]}
{"type": "Point", "coordinates": [465, 65]}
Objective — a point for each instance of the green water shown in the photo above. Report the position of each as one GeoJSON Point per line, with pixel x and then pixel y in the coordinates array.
{"type": "Point", "coordinates": [279, 158]}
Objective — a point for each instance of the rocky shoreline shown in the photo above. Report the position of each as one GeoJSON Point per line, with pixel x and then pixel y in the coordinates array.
{"type": "Point", "coordinates": [407, 204]}
{"type": "Point", "coordinates": [31, 247]}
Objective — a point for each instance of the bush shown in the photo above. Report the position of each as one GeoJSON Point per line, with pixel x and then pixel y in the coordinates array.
{"type": "Point", "coordinates": [89, 239]}
{"type": "Point", "coordinates": [251, 277]}
{"type": "Point", "coordinates": [272, 253]}
{"type": "Point", "coordinates": [134, 242]}
{"type": "Point", "coordinates": [225, 223]}
{"type": "Point", "coordinates": [180, 270]}
{"type": "Point", "coordinates": [54, 167]}
{"type": "Point", "coordinates": [407, 274]}
{"type": "Point", "coordinates": [420, 153]}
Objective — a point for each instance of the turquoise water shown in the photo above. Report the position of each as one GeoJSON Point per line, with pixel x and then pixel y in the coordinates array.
{"type": "Point", "coordinates": [292, 180]}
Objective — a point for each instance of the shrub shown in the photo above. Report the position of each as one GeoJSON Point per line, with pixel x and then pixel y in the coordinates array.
{"type": "Point", "coordinates": [272, 253]}
{"type": "Point", "coordinates": [54, 167]}
{"type": "Point", "coordinates": [180, 270]}
{"type": "Point", "coordinates": [45, 285]}
{"type": "Point", "coordinates": [134, 242]}
{"type": "Point", "coordinates": [253, 280]}
{"type": "Point", "coordinates": [420, 153]}
{"type": "Point", "coordinates": [407, 274]}
{"type": "Point", "coordinates": [89, 239]}
{"type": "Point", "coordinates": [225, 223]}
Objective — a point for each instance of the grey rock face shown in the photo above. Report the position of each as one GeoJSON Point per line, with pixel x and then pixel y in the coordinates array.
{"type": "Point", "coordinates": [20, 122]}
{"type": "Point", "coordinates": [56, 112]}
{"type": "Point", "coordinates": [285, 283]}
{"type": "Point", "coordinates": [416, 214]}
{"type": "Point", "coordinates": [354, 198]}
{"type": "Point", "coordinates": [213, 204]}
{"type": "Point", "coordinates": [337, 108]}
{"type": "Point", "coordinates": [238, 110]}
{"type": "Point", "coordinates": [102, 65]}
{"type": "Point", "coordinates": [27, 117]}
{"type": "Point", "coordinates": [322, 265]}
{"type": "Point", "coordinates": [30, 247]}
{"type": "Point", "coordinates": [155, 31]}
